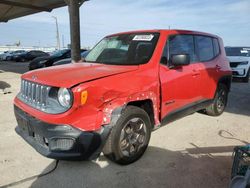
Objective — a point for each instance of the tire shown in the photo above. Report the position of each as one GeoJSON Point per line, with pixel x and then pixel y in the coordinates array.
{"type": "Point", "coordinates": [246, 79]}
{"type": "Point", "coordinates": [129, 137]}
{"type": "Point", "coordinates": [219, 102]}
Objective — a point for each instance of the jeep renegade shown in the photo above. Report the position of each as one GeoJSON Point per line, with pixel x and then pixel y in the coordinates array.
{"type": "Point", "coordinates": [128, 85]}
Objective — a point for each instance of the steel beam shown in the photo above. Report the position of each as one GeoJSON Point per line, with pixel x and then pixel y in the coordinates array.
{"type": "Point", "coordinates": [24, 5]}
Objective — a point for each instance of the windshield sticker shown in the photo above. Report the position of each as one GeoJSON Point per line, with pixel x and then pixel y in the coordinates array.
{"type": "Point", "coordinates": [243, 51]}
{"type": "Point", "coordinates": [248, 49]}
{"type": "Point", "coordinates": [143, 37]}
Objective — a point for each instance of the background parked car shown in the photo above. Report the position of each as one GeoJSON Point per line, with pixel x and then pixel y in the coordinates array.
{"type": "Point", "coordinates": [42, 62]}
{"type": "Point", "coordinates": [5, 54]}
{"type": "Point", "coordinates": [2, 54]}
{"type": "Point", "coordinates": [10, 56]}
{"type": "Point", "coordinates": [239, 58]}
{"type": "Point", "coordinates": [30, 55]}
{"type": "Point", "coordinates": [68, 60]}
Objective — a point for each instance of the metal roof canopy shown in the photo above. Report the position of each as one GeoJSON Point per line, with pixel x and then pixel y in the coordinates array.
{"type": "Point", "coordinates": [11, 9]}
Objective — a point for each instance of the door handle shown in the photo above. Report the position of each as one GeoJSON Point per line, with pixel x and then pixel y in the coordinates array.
{"type": "Point", "coordinates": [195, 73]}
{"type": "Point", "coordinates": [218, 67]}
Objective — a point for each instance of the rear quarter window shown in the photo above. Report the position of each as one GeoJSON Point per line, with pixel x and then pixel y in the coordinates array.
{"type": "Point", "coordinates": [216, 47]}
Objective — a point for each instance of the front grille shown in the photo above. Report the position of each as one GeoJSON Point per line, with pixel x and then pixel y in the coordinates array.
{"type": "Point", "coordinates": [34, 94]}
{"type": "Point", "coordinates": [234, 64]}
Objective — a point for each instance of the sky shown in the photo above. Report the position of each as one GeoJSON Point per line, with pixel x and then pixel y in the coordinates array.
{"type": "Point", "coordinates": [230, 19]}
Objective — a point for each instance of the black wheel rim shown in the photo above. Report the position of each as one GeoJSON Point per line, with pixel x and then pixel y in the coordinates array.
{"type": "Point", "coordinates": [133, 137]}
{"type": "Point", "coordinates": [221, 101]}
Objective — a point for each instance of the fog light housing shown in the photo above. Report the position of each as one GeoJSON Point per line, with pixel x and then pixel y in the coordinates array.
{"type": "Point", "coordinates": [61, 144]}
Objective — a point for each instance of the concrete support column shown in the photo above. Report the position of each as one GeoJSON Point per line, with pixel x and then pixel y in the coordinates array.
{"type": "Point", "coordinates": [74, 14]}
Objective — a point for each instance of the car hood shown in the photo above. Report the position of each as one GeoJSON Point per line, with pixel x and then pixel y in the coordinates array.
{"type": "Point", "coordinates": [73, 74]}
{"type": "Point", "coordinates": [237, 58]}
{"type": "Point", "coordinates": [62, 62]}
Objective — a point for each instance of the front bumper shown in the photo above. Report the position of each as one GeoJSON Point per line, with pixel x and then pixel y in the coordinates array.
{"type": "Point", "coordinates": [60, 141]}
{"type": "Point", "coordinates": [239, 72]}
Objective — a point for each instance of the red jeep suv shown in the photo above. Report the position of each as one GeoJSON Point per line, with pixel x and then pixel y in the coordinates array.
{"type": "Point", "coordinates": [129, 84]}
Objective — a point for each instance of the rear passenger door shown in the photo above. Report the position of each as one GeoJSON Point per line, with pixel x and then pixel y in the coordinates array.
{"type": "Point", "coordinates": [179, 85]}
{"type": "Point", "coordinates": [208, 51]}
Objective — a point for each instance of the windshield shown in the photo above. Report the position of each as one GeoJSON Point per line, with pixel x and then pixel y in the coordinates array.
{"type": "Point", "coordinates": [124, 49]}
{"type": "Point", "coordinates": [58, 53]}
{"type": "Point", "coordinates": [238, 51]}
{"type": "Point", "coordinates": [19, 51]}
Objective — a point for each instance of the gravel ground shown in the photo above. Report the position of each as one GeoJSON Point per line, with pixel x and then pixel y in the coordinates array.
{"type": "Point", "coordinates": [195, 151]}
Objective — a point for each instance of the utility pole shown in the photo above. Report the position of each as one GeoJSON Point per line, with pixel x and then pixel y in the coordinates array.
{"type": "Point", "coordinates": [57, 34]}
{"type": "Point", "coordinates": [63, 41]}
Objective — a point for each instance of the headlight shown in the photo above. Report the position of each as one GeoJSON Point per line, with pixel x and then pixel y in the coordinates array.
{"type": "Point", "coordinates": [64, 97]}
{"type": "Point", "coordinates": [42, 62]}
{"type": "Point", "coordinates": [244, 63]}
{"type": "Point", "coordinates": [59, 100]}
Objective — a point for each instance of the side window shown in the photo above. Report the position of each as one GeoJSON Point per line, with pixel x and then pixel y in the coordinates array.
{"type": "Point", "coordinates": [35, 53]}
{"type": "Point", "coordinates": [205, 48]}
{"type": "Point", "coordinates": [68, 54]}
{"type": "Point", "coordinates": [216, 47]}
{"type": "Point", "coordinates": [182, 44]}
{"type": "Point", "coordinates": [31, 53]}
{"type": "Point", "coordinates": [41, 53]}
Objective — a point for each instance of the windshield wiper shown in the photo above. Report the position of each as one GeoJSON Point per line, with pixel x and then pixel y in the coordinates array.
{"type": "Point", "coordinates": [91, 61]}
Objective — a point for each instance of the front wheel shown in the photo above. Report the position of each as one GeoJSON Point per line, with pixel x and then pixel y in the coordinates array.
{"type": "Point", "coordinates": [219, 103]}
{"type": "Point", "coordinates": [130, 136]}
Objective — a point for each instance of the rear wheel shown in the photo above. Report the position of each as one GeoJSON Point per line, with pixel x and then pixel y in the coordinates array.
{"type": "Point", "coordinates": [130, 136]}
{"type": "Point", "coordinates": [219, 103]}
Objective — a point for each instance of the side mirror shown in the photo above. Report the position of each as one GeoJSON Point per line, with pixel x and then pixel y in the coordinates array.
{"type": "Point", "coordinates": [179, 60]}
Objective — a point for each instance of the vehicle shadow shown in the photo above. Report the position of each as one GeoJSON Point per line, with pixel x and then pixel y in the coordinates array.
{"type": "Point", "coordinates": [238, 80]}
{"type": "Point", "coordinates": [239, 99]}
{"type": "Point", "coordinates": [194, 167]}
{"type": "Point", "coordinates": [4, 85]}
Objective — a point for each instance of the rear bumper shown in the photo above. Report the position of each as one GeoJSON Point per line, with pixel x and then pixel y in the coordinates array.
{"type": "Point", "coordinates": [60, 141]}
